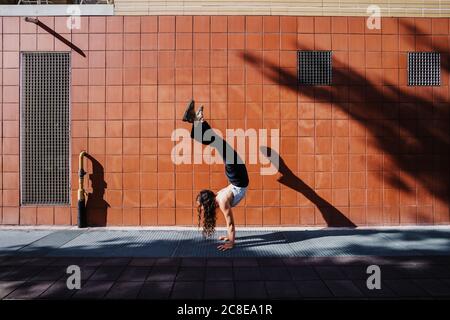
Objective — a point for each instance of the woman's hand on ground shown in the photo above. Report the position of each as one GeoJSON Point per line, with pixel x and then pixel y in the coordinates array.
{"type": "Point", "coordinates": [226, 246]}
{"type": "Point", "coordinates": [224, 238]}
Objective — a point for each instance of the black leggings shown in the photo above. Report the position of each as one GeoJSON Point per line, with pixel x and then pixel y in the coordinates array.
{"type": "Point", "coordinates": [235, 169]}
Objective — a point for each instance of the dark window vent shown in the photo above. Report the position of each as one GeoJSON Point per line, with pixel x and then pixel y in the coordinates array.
{"type": "Point", "coordinates": [45, 128]}
{"type": "Point", "coordinates": [314, 68]}
{"type": "Point", "coordinates": [424, 69]}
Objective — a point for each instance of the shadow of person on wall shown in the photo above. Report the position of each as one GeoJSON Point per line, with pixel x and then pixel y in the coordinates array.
{"type": "Point", "coordinates": [332, 216]}
{"type": "Point", "coordinates": [96, 205]}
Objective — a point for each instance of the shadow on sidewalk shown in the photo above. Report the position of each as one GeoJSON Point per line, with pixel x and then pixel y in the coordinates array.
{"type": "Point", "coordinates": [190, 243]}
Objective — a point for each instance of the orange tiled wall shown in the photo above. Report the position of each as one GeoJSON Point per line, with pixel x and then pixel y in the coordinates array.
{"type": "Point", "coordinates": [366, 151]}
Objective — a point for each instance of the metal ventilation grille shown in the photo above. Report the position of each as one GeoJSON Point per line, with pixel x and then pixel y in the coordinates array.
{"type": "Point", "coordinates": [45, 128]}
{"type": "Point", "coordinates": [424, 69]}
{"type": "Point", "coordinates": [314, 68]}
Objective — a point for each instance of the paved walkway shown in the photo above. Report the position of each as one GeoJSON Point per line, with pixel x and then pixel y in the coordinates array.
{"type": "Point", "coordinates": [250, 243]}
{"type": "Point", "coordinates": [266, 264]}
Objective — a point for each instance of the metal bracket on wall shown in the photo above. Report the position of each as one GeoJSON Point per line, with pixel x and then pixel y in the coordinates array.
{"type": "Point", "coordinates": [55, 34]}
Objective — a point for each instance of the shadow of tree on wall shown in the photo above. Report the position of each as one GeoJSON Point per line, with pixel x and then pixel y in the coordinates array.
{"type": "Point", "coordinates": [408, 125]}
{"type": "Point", "coordinates": [96, 205]}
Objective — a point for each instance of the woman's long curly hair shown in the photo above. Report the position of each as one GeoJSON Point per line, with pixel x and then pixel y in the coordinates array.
{"type": "Point", "coordinates": [206, 199]}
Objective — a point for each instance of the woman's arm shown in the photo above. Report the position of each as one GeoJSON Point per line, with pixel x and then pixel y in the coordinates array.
{"type": "Point", "coordinates": [230, 226]}
{"type": "Point", "coordinates": [225, 207]}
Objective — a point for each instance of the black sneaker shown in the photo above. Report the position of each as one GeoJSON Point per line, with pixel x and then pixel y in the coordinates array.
{"type": "Point", "coordinates": [189, 114]}
{"type": "Point", "coordinates": [199, 114]}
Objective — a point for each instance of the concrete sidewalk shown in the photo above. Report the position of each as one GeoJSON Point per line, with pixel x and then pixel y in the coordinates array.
{"type": "Point", "coordinates": [265, 264]}
{"type": "Point", "coordinates": [104, 242]}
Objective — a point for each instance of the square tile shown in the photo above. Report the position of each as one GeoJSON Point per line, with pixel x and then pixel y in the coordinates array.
{"type": "Point", "coordinates": [132, 274]}
{"type": "Point", "coordinates": [6, 287]}
{"type": "Point", "coordinates": [247, 274]}
{"type": "Point", "coordinates": [406, 288]}
{"type": "Point", "coordinates": [191, 274]}
{"type": "Point", "coordinates": [187, 290]}
{"type": "Point", "coordinates": [125, 290]}
{"type": "Point", "coordinates": [250, 290]}
{"type": "Point", "coordinates": [343, 289]}
{"type": "Point", "coordinates": [281, 290]}
{"type": "Point", "coordinates": [30, 290]}
{"type": "Point", "coordinates": [107, 273]}
{"type": "Point", "coordinates": [219, 274]}
{"type": "Point", "coordinates": [219, 290]}
{"type": "Point", "coordinates": [58, 290]}
{"type": "Point", "coordinates": [313, 289]}
{"type": "Point", "coordinates": [93, 290]}
{"type": "Point", "coordinates": [162, 274]}
{"type": "Point", "coordinates": [156, 290]}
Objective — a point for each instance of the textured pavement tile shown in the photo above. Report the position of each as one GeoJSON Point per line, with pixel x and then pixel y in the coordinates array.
{"type": "Point", "coordinates": [219, 262]}
{"type": "Point", "coordinates": [281, 290]}
{"type": "Point", "coordinates": [93, 290]}
{"type": "Point", "coordinates": [295, 261]}
{"type": "Point", "coordinates": [87, 272]}
{"type": "Point", "coordinates": [219, 290]}
{"type": "Point", "coordinates": [247, 274]}
{"type": "Point", "coordinates": [168, 262]}
{"type": "Point", "coordinates": [414, 272]}
{"type": "Point", "coordinates": [193, 262]}
{"type": "Point", "coordinates": [43, 261]}
{"type": "Point", "coordinates": [275, 273]}
{"type": "Point", "coordinates": [405, 288]}
{"type": "Point", "coordinates": [441, 259]}
{"type": "Point", "coordinates": [58, 290]}
{"type": "Point", "coordinates": [250, 290]}
{"type": "Point", "coordinates": [30, 290]}
{"type": "Point", "coordinates": [5, 272]}
{"type": "Point", "coordinates": [22, 273]}
{"type": "Point", "coordinates": [440, 271]}
{"type": "Point", "coordinates": [156, 290]}
{"type": "Point", "coordinates": [313, 289]}
{"type": "Point", "coordinates": [167, 274]}
{"type": "Point", "coordinates": [303, 273]}
{"type": "Point", "coordinates": [125, 290]}
{"type": "Point", "coordinates": [384, 292]}
{"type": "Point", "coordinates": [142, 262]}
{"type": "Point", "coordinates": [6, 287]}
{"type": "Point", "coordinates": [92, 262]}
{"type": "Point", "coordinates": [245, 262]}
{"type": "Point", "coordinates": [107, 273]}
{"type": "Point", "coordinates": [50, 273]}
{"type": "Point", "coordinates": [330, 273]}
{"type": "Point", "coordinates": [343, 289]}
{"type": "Point", "coordinates": [191, 274]}
{"type": "Point", "coordinates": [21, 261]}
{"type": "Point", "coordinates": [434, 287]}
{"type": "Point", "coordinates": [5, 261]}
{"type": "Point", "coordinates": [219, 274]}
{"type": "Point", "coordinates": [116, 262]}
{"type": "Point", "coordinates": [355, 272]}
{"type": "Point", "coordinates": [187, 290]}
{"type": "Point", "coordinates": [391, 272]}
{"type": "Point", "coordinates": [134, 274]}
{"type": "Point", "coordinates": [271, 262]}
{"type": "Point", "coordinates": [67, 261]}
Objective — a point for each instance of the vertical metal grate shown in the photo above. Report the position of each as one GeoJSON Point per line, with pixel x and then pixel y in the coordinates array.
{"type": "Point", "coordinates": [45, 128]}
{"type": "Point", "coordinates": [314, 68]}
{"type": "Point", "coordinates": [424, 69]}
